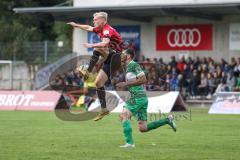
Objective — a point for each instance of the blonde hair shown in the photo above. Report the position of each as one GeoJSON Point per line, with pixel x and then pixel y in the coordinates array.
{"type": "Point", "coordinates": [101, 14]}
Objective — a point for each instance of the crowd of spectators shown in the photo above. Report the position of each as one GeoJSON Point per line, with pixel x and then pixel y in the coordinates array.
{"type": "Point", "coordinates": [194, 78]}
{"type": "Point", "coordinates": [198, 78]}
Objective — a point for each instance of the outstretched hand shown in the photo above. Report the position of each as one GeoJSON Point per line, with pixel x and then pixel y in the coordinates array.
{"type": "Point", "coordinates": [72, 24]}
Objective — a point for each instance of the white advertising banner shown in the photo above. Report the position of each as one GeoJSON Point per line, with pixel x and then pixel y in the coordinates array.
{"type": "Point", "coordinates": [159, 103]}
{"type": "Point", "coordinates": [234, 36]}
{"type": "Point", "coordinates": [226, 103]}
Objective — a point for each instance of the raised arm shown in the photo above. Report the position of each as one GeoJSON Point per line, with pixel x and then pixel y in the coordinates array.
{"type": "Point", "coordinates": [81, 26]}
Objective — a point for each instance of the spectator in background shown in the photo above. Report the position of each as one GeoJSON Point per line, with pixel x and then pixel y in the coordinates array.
{"type": "Point", "coordinates": [222, 85]}
{"type": "Point", "coordinates": [231, 81]}
{"type": "Point", "coordinates": [218, 71]}
{"type": "Point", "coordinates": [161, 63]}
{"type": "Point", "coordinates": [173, 62]}
{"type": "Point", "coordinates": [181, 64]}
{"type": "Point", "coordinates": [174, 83]}
{"type": "Point", "coordinates": [203, 86]}
{"type": "Point", "coordinates": [167, 82]}
{"type": "Point", "coordinates": [169, 69]}
{"type": "Point", "coordinates": [174, 71]}
{"type": "Point", "coordinates": [233, 63]}
{"type": "Point", "coordinates": [210, 60]}
{"type": "Point", "coordinates": [196, 62]}
{"type": "Point", "coordinates": [150, 84]}
{"type": "Point", "coordinates": [180, 84]}
{"type": "Point", "coordinates": [237, 88]}
{"type": "Point", "coordinates": [205, 61]}
{"type": "Point", "coordinates": [77, 79]}
{"type": "Point", "coordinates": [224, 78]}
{"type": "Point", "coordinates": [154, 79]}
{"type": "Point", "coordinates": [186, 79]}
{"type": "Point", "coordinates": [195, 81]}
{"type": "Point", "coordinates": [227, 68]}
{"type": "Point", "coordinates": [142, 58]}
{"type": "Point", "coordinates": [211, 67]}
{"type": "Point", "coordinates": [222, 64]}
{"type": "Point", "coordinates": [147, 64]}
{"type": "Point", "coordinates": [189, 61]}
{"type": "Point", "coordinates": [212, 85]}
{"type": "Point", "coordinates": [236, 69]}
{"type": "Point", "coordinates": [162, 71]}
{"type": "Point", "coordinates": [58, 81]}
{"type": "Point", "coordinates": [204, 69]}
{"type": "Point", "coordinates": [68, 78]}
{"type": "Point", "coordinates": [217, 78]}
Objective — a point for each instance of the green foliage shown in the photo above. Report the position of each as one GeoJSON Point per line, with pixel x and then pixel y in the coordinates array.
{"type": "Point", "coordinates": [18, 29]}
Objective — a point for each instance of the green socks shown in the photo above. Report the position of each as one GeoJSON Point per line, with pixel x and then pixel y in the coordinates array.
{"type": "Point", "coordinates": [157, 123]}
{"type": "Point", "coordinates": [127, 131]}
{"type": "Point", "coordinates": [127, 128]}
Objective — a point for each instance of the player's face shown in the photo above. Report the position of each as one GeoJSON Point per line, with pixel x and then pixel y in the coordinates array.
{"type": "Point", "coordinates": [126, 57]}
{"type": "Point", "coordinates": [123, 56]}
{"type": "Point", "coordinates": [98, 21]}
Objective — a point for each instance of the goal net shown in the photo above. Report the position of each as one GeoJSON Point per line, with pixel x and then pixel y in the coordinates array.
{"type": "Point", "coordinates": [6, 75]}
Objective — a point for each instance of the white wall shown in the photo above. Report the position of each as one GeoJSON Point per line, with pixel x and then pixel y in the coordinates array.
{"type": "Point", "coordinates": [220, 38]}
{"type": "Point", "coordinates": [79, 37]}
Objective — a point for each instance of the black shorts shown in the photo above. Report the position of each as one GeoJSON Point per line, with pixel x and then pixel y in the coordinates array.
{"type": "Point", "coordinates": [112, 64]}
{"type": "Point", "coordinates": [91, 92]}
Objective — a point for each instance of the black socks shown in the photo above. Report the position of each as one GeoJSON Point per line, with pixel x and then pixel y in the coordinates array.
{"type": "Point", "coordinates": [101, 95]}
{"type": "Point", "coordinates": [93, 60]}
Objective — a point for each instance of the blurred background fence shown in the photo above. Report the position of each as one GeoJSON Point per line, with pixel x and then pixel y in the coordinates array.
{"type": "Point", "coordinates": [18, 69]}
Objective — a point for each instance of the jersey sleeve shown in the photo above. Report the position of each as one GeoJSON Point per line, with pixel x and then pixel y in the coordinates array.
{"type": "Point", "coordinates": [107, 33]}
{"type": "Point", "coordinates": [95, 30]}
{"type": "Point", "coordinates": [138, 70]}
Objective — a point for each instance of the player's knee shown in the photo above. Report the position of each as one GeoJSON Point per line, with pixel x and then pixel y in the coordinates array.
{"type": "Point", "coordinates": [142, 127]}
{"type": "Point", "coordinates": [98, 52]}
{"type": "Point", "coordinates": [99, 84]}
{"type": "Point", "coordinates": [124, 116]}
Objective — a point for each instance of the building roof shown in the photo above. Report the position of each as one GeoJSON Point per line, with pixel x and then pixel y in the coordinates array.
{"type": "Point", "coordinates": [138, 12]}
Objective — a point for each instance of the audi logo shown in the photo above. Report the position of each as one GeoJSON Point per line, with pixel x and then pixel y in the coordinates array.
{"type": "Point", "coordinates": [184, 37]}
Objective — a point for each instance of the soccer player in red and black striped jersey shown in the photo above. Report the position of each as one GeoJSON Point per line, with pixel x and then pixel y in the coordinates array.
{"type": "Point", "coordinates": [109, 48]}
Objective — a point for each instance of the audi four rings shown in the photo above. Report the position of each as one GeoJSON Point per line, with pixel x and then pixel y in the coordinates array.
{"type": "Point", "coordinates": [184, 37]}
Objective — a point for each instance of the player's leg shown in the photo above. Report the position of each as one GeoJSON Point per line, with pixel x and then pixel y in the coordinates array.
{"type": "Point", "coordinates": [127, 128]}
{"type": "Point", "coordinates": [142, 118]}
{"type": "Point", "coordinates": [115, 63]}
{"type": "Point", "coordinates": [145, 127]}
{"type": "Point", "coordinates": [103, 76]}
{"type": "Point", "coordinates": [96, 53]}
{"type": "Point", "coordinates": [100, 82]}
{"type": "Point", "coordinates": [104, 52]}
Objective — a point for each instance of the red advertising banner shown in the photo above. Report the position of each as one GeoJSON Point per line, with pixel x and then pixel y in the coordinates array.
{"type": "Point", "coordinates": [29, 100]}
{"type": "Point", "coordinates": [184, 37]}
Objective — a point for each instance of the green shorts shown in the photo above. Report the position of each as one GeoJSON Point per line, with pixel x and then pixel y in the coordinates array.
{"type": "Point", "coordinates": [138, 107]}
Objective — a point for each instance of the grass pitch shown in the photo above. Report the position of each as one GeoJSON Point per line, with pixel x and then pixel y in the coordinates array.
{"type": "Point", "coordinates": [40, 135]}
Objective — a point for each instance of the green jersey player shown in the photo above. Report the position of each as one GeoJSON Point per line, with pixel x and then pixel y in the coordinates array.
{"type": "Point", "coordinates": [138, 102]}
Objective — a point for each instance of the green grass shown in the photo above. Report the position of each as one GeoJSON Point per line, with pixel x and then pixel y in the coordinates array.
{"type": "Point", "coordinates": [40, 135]}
